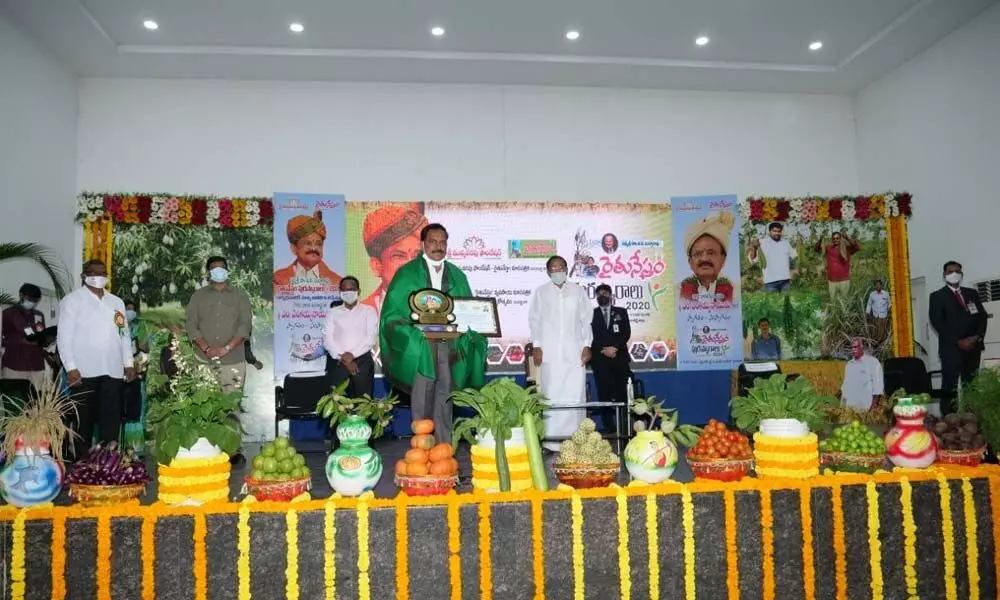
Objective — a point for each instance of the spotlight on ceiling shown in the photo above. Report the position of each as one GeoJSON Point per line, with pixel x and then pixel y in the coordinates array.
{"type": "Point", "coordinates": [150, 24]}
{"type": "Point", "coordinates": [701, 40]}
{"type": "Point", "coordinates": [572, 35]}
{"type": "Point", "coordinates": [437, 31]}
{"type": "Point", "coordinates": [815, 45]}
{"type": "Point", "coordinates": [296, 28]}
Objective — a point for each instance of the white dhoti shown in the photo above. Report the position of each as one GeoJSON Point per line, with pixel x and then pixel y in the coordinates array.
{"type": "Point", "coordinates": [564, 384]}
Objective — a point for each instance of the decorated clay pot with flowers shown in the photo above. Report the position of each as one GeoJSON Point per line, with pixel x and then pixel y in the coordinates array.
{"type": "Point", "coordinates": [354, 467]}
{"type": "Point", "coordinates": [650, 456]}
{"type": "Point", "coordinates": [909, 444]}
{"type": "Point", "coordinates": [32, 477]}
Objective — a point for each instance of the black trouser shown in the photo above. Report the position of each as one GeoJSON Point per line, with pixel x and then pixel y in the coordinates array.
{"type": "Point", "coordinates": [362, 383]}
{"type": "Point", "coordinates": [611, 376]}
{"type": "Point", "coordinates": [132, 398]}
{"type": "Point", "coordinates": [956, 363]}
{"type": "Point", "coordinates": [100, 400]}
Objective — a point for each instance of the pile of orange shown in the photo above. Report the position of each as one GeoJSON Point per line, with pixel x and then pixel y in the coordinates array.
{"type": "Point", "coordinates": [425, 456]}
{"type": "Point", "coordinates": [718, 442]}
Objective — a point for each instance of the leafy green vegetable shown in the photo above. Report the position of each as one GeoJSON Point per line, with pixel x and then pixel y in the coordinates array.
{"type": "Point", "coordinates": [336, 407]}
{"type": "Point", "coordinates": [778, 398]}
{"type": "Point", "coordinates": [982, 398]}
{"type": "Point", "coordinates": [666, 419]}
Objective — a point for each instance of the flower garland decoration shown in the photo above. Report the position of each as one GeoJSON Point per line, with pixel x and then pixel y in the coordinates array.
{"type": "Point", "coordinates": [292, 551]}
{"type": "Point", "coordinates": [104, 557]}
{"type": "Point", "coordinates": [243, 547]}
{"type": "Point", "coordinates": [808, 568]}
{"type": "Point", "coordinates": [364, 559]}
{"type": "Point", "coordinates": [687, 518]}
{"type": "Point", "coordinates": [874, 545]}
{"type": "Point", "coordinates": [329, 550]}
{"type": "Point", "coordinates": [454, 547]}
{"type": "Point", "coordinates": [576, 507]}
{"type": "Point", "coordinates": [200, 558]}
{"type": "Point", "coordinates": [148, 550]}
{"type": "Point", "coordinates": [805, 210]}
{"type": "Point", "coordinates": [971, 541]}
{"type": "Point", "coordinates": [58, 556]}
{"type": "Point", "coordinates": [17, 573]}
{"type": "Point", "coordinates": [839, 542]}
{"type": "Point", "coordinates": [909, 537]}
{"type": "Point", "coordinates": [485, 566]}
{"type": "Point", "coordinates": [229, 213]}
{"type": "Point", "coordinates": [767, 543]}
{"type": "Point", "coordinates": [402, 545]}
{"type": "Point", "coordinates": [624, 573]}
{"type": "Point", "coordinates": [732, 549]}
{"type": "Point", "coordinates": [653, 546]}
{"type": "Point", "coordinates": [948, 533]}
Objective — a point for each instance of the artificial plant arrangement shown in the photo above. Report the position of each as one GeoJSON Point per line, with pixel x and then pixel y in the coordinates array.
{"type": "Point", "coordinates": [666, 420]}
{"type": "Point", "coordinates": [37, 422]}
{"type": "Point", "coordinates": [982, 398]}
{"type": "Point", "coordinates": [778, 398]}
{"type": "Point", "coordinates": [189, 405]}
{"type": "Point", "coordinates": [336, 407]}
{"type": "Point", "coordinates": [500, 406]}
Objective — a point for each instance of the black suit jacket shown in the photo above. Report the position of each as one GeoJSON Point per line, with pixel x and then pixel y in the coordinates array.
{"type": "Point", "coordinates": [607, 336]}
{"type": "Point", "coordinates": [953, 322]}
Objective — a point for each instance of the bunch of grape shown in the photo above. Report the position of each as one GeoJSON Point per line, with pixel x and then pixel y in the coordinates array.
{"type": "Point", "coordinates": [854, 438]}
{"type": "Point", "coordinates": [278, 461]}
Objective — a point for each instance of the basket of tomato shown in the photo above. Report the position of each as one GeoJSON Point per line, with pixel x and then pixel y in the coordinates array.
{"type": "Point", "coordinates": [720, 454]}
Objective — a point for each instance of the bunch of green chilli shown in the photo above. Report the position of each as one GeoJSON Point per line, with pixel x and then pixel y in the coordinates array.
{"type": "Point", "coordinates": [586, 447]}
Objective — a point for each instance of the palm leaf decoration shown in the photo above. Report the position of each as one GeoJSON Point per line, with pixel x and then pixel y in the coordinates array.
{"type": "Point", "coordinates": [44, 257]}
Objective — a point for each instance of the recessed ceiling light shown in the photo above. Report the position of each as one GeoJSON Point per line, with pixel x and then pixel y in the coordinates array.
{"type": "Point", "coordinates": [437, 31]}
{"type": "Point", "coordinates": [296, 28]}
{"type": "Point", "coordinates": [815, 45]}
{"type": "Point", "coordinates": [701, 41]}
{"type": "Point", "coordinates": [572, 34]}
{"type": "Point", "coordinates": [150, 24]}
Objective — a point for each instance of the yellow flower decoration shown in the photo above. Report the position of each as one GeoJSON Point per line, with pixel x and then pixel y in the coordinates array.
{"type": "Point", "coordinates": [292, 555]}
{"type": "Point", "coordinates": [17, 556]}
{"type": "Point", "coordinates": [732, 549]}
{"type": "Point", "coordinates": [364, 560]}
{"type": "Point", "coordinates": [653, 546]}
{"type": "Point", "coordinates": [948, 533]}
{"type": "Point", "coordinates": [808, 568]}
{"type": "Point", "coordinates": [485, 566]}
{"type": "Point", "coordinates": [148, 550]}
{"type": "Point", "coordinates": [200, 558]}
{"type": "Point", "coordinates": [58, 557]}
{"type": "Point", "coordinates": [874, 545]}
{"type": "Point", "coordinates": [839, 543]}
{"type": "Point", "coordinates": [576, 506]}
{"type": "Point", "coordinates": [909, 537]}
{"type": "Point", "coordinates": [402, 549]}
{"type": "Point", "coordinates": [767, 543]}
{"type": "Point", "coordinates": [687, 518]}
{"type": "Point", "coordinates": [243, 547]}
{"type": "Point", "coordinates": [624, 560]}
{"type": "Point", "coordinates": [971, 541]}
{"type": "Point", "coordinates": [454, 547]}
{"type": "Point", "coordinates": [329, 550]}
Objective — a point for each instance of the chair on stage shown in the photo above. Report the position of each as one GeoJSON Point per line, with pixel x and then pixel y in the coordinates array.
{"type": "Point", "coordinates": [296, 399]}
{"type": "Point", "coordinates": [752, 371]}
{"type": "Point", "coordinates": [911, 374]}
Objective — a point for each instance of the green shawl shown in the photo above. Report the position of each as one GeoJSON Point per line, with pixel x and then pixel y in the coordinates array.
{"type": "Point", "coordinates": [405, 351]}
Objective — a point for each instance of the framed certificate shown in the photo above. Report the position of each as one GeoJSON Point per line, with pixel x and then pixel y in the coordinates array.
{"type": "Point", "coordinates": [477, 314]}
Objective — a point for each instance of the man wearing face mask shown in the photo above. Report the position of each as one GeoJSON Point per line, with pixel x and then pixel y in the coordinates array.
{"type": "Point", "coordinates": [960, 320]}
{"type": "Point", "coordinates": [609, 351]}
{"type": "Point", "coordinates": [559, 316]}
{"type": "Point", "coordinates": [96, 350]}
{"type": "Point", "coordinates": [778, 256]}
{"type": "Point", "coordinates": [349, 333]}
{"type": "Point", "coordinates": [23, 360]}
{"type": "Point", "coordinates": [429, 369]}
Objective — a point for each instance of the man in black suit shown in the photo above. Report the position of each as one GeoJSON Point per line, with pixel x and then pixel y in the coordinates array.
{"type": "Point", "coordinates": [609, 352]}
{"type": "Point", "coordinates": [960, 320]}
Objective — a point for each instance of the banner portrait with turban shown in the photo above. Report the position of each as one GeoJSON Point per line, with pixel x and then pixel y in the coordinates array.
{"type": "Point", "coordinates": [392, 238]}
{"type": "Point", "coordinates": [307, 236]}
{"type": "Point", "coordinates": [706, 243]}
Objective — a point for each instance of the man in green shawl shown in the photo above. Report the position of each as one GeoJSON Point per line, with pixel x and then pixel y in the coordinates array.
{"type": "Point", "coordinates": [429, 369]}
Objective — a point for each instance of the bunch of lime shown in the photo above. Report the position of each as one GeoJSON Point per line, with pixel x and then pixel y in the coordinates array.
{"type": "Point", "coordinates": [854, 438]}
{"type": "Point", "coordinates": [278, 461]}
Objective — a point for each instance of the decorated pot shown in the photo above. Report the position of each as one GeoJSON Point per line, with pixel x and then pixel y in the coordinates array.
{"type": "Point", "coordinates": [909, 444]}
{"type": "Point", "coordinates": [33, 477]}
{"type": "Point", "coordinates": [485, 477]}
{"type": "Point", "coordinates": [651, 457]}
{"type": "Point", "coordinates": [184, 481]}
{"type": "Point", "coordinates": [353, 468]}
{"type": "Point", "coordinates": [784, 428]}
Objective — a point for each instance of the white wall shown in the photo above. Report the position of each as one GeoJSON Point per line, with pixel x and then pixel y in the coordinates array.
{"type": "Point", "coordinates": [37, 155]}
{"type": "Point", "coordinates": [933, 127]}
{"type": "Point", "coordinates": [458, 142]}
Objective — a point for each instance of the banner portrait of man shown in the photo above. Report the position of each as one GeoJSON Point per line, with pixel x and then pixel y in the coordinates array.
{"type": "Point", "coordinates": [307, 236]}
{"type": "Point", "coordinates": [392, 238]}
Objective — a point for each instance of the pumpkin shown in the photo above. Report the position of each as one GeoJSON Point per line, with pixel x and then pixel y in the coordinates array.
{"type": "Point", "coordinates": [422, 426]}
{"type": "Point", "coordinates": [401, 467]}
{"type": "Point", "coordinates": [424, 441]}
{"type": "Point", "coordinates": [416, 455]}
{"type": "Point", "coordinates": [416, 469]}
{"type": "Point", "coordinates": [442, 467]}
{"type": "Point", "coordinates": [440, 452]}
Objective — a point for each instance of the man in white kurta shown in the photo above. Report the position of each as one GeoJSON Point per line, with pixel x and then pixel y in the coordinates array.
{"type": "Point", "coordinates": [863, 383]}
{"type": "Point", "coordinates": [559, 316]}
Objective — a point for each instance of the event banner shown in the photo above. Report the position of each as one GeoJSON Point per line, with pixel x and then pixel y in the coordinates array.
{"type": "Point", "coordinates": [707, 278]}
{"type": "Point", "coordinates": [308, 265]}
{"type": "Point", "coordinates": [502, 247]}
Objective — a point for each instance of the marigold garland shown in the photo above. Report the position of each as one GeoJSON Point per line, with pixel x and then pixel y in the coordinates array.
{"type": "Point", "coordinates": [808, 568]}
{"type": "Point", "coordinates": [909, 538]}
{"type": "Point", "coordinates": [624, 561]}
{"type": "Point", "coordinates": [148, 550]}
{"type": "Point", "coordinates": [839, 542]}
{"type": "Point", "coordinates": [485, 565]}
{"type": "Point", "coordinates": [687, 519]}
{"type": "Point", "coordinates": [767, 543]}
{"type": "Point", "coordinates": [292, 555]}
{"type": "Point", "coordinates": [948, 533]}
{"type": "Point", "coordinates": [58, 557]}
{"type": "Point", "coordinates": [243, 546]}
{"type": "Point", "coordinates": [995, 505]}
{"type": "Point", "coordinates": [17, 572]}
{"type": "Point", "coordinates": [104, 557]}
{"type": "Point", "coordinates": [576, 506]}
{"type": "Point", "coordinates": [454, 547]}
{"type": "Point", "coordinates": [971, 541]}
{"type": "Point", "coordinates": [732, 549]}
{"type": "Point", "coordinates": [200, 558]}
{"type": "Point", "coordinates": [874, 545]}
{"type": "Point", "coordinates": [402, 549]}
{"type": "Point", "coordinates": [364, 560]}
{"type": "Point", "coordinates": [653, 546]}
{"type": "Point", "coordinates": [329, 549]}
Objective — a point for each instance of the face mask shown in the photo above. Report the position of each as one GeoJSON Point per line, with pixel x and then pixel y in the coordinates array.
{"type": "Point", "coordinates": [953, 278]}
{"type": "Point", "coordinates": [130, 315]}
{"type": "Point", "coordinates": [349, 297]}
{"type": "Point", "coordinates": [218, 274]}
{"type": "Point", "coordinates": [558, 277]}
{"type": "Point", "coordinates": [96, 281]}
{"type": "Point", "coordinates": [28, 304]}
{"type": "Point", "coordinates": [603, 300]}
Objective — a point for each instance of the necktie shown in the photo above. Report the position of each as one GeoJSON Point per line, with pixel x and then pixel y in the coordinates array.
{"type": "Point", "coordinates": [607, 318]}
{"type": "Point", "coordinates": [961, 299]}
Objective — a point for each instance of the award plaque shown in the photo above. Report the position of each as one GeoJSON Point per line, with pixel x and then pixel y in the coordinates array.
{"type": "Point", "coordinates": [432, 314]}
{"type": "Point", "coordinates": [477, 314]}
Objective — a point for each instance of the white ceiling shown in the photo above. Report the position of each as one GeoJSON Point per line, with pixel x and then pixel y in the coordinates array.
{"type": "Point", "coordinates": [756, 45]}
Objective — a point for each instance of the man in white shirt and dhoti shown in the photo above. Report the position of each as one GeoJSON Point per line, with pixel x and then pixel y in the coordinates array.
{"type": "Point", "coordinates": [559, 317]}
{"type": "Point", "coordinates": [863, 383]}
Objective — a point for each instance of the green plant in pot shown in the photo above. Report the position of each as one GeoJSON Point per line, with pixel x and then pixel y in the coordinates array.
{"type": "Point", "coordinates": [779, 407]}
{"type": "Point", "coordinates": [982, 398]}
{"type": "Point", "coordinates": [502, 407]}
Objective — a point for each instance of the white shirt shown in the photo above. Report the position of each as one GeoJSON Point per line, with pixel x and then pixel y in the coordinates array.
{"type": "Point", "coordinates": [351, 330]}
{"type": "Point", "coordinates": [559, 319]}
{"type": "Point", "coordinates": [778, 256]}
{"type": "Point", "coordinates": [862, 380]}
{"type": "Point", "coordinates": [436, 276]}
{"type": "Point", "coordinates": [302, 272]}
{"type": "Point", "coordinates": [89, 340]}
{"type": "Point", "coordinates": [878, 304]}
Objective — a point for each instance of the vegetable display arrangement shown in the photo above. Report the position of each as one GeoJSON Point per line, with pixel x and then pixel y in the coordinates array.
{"type": "Point", "coordinates": [959, 438]}
{"type": "Point", "coordinates": [720, 454]}
{"type": "Point", "coordinates": [651, 456]}
{"type": "Point", "coordinates": [429, 468]}
{"type": "Point", "coordinates": [279, 473]}
{"type": "Point", "coordinates": [106, 464]}
{"type": "Point", "coordinates": [777, 399]}
{"type": "Point", "coordinates": [853, 448]}
{"type": "Point", "coordinates": [586, 460]}
{"type": "Point", "coordinates": [980, 397]}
